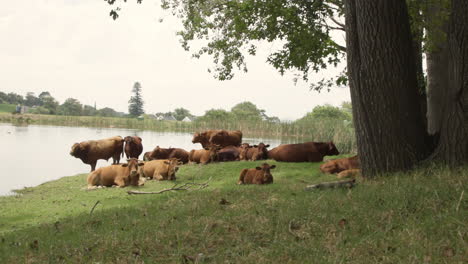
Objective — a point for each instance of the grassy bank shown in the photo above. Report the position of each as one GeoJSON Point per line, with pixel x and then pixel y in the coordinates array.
{"type": "Point", "coordinates": [341, 133]}
{"type": "Point", "coordinates": [419, 217]}
{"type": "Point", "coordinates": [7, 108]}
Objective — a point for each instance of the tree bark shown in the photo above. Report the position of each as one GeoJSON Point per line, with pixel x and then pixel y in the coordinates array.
{"type": "Point", "coordinates": [437, 65]}
{"type": "Point", "coordinates": [390, 129]}
{"type": "Point", "coordinates": [453, 144]}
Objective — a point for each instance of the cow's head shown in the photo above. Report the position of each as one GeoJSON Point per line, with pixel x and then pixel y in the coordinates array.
{"type": "Point", "coordinates": [266, 174]}
{"type": "Point", "coordinates": [147, 156]}
{"type": "Point", "coordinates": [134, 171]}
{"type": "Point", "coordinates": [213, 151]}
{"type": "Point", "coordinates": [128, 139]}
{"type": "Point", "coordinates": [262, 152]}
{"type": "Point", "coordinates": [79, 149]}
{"type": "Point", "coordinates": [198, 137]}
{"type": "Point", "coordinates": [332, 150]}
{"type": "Point", "coordinates": [329, 167]}
{"type": "Point", "coordinates": [172, 168]}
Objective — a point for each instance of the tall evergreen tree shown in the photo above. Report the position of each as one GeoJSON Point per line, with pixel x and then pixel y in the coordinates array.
{"type": "Point", "coordinates": [135, 104]}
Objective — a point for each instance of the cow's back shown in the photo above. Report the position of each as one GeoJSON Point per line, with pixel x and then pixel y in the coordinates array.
{"type": "Point", "coordinates": [105, 148]}
{"type": "Point", "coordinates": [106, 176]}
{"type": "Point", "coordinates": [153, 166]}
{"type": "Point", "coordinates": [301, 152]}
{"type": "Point", "coordinates": [179, 154]}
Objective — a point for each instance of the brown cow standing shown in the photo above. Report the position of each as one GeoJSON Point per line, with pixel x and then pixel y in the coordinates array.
{"type": "Point", "coordinates": [223, 138]}
{"type": "Point", "coordinates": [133, 147]}
{"type": "Point", "coordinates": [203, 156]}
{"type": "Point", "coordinates": [303, 152]}
{"type": "Point", "coordinates": [226, 138]}
{"type": "Point", "coordinates": [204, 137]}
{"type": "Point", "coordinates": [93, 150]}
{"type": "Point", "coordinates": [161, 169]}
{"type": "Point", "coordinates": [259, 175]}
{"type": "Point", "coordinates": [168, 153]}
{"type": "Point", "coordinates": [119, 174]}
{"type": "Point", "coordinates": [339, 165]}
{"type": "Point", "coordinates": [255, 152]}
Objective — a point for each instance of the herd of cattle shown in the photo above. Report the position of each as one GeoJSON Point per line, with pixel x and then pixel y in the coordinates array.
{"type": "Point", "coordinates": [218, 146]}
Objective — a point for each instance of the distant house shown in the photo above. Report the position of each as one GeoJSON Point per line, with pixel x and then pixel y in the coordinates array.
{"type": "Point", "coordinates": [169, 118]}
{"type": "Point", "coordinates": [187, 119]}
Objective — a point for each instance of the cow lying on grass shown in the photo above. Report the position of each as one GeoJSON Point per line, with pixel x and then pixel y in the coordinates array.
{"type": "Point", "coordinates": [339, 165]}
{"type": "Point", "coordinates": [203, 156]}
{"type": "Point", "coordinates": [259, 175]}
{"type": "Point", "coordinates": [161, 169]}
{"type": "Point", "coordinates": [119, 174]}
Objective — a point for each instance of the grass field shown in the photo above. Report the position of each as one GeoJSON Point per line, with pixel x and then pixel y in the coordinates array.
{"type": "Point", "coordinates": [7, 108]}
{"type": "Point", "coordinates": [417, 217]}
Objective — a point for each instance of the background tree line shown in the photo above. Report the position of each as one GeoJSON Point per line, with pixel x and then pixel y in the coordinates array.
{"type": "Point", "coordinates": [46, 104]}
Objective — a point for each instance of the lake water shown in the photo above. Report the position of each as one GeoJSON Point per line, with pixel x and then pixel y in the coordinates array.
{"type": "Point", "coordinates": [35, 154]}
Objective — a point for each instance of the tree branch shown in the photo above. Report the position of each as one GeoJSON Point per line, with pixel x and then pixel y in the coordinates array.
{"type": "Point", "coordinates": [346, 183]}
{"type": "Point", "coordinates": [183, 187]}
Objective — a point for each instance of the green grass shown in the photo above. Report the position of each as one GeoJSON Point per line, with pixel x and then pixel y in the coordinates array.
{"type": "Point", "coordinates": [417, 217]}
{"type": "Point", "coordinates": [7, 108]}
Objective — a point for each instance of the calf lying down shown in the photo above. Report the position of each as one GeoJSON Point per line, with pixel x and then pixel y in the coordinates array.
{"type": "Point", "coordinates": [259, 175]}
{"type": "Point", "coordinates": [119, 174]}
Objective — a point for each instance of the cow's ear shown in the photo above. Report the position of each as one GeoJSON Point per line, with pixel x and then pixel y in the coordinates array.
{"type": "Point", "coordinates": [125, 165]}
{"type": "Point", "coordinates": [140, 138]}
{"type": "Point", "coordinates": [167, 162]}
{"type": "Point", "coordinates": [267, 146]}
{"type": "Point", "coordinates": [272, 166]}
{"type": "Point", "coordinates": [255, 146]}
{"type": "Point", "coordinates": [141, 164]}
{"type": "Point", "coordinates": [258, 168]}
{"type": "Point", "coordinates": [180, 163]}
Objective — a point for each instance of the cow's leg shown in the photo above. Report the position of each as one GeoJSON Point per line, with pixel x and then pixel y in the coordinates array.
{"type": "Point", "coordinates": [120, 182]}
{"type": "Point", "coordinates": [93, 166]}
{"type": "Point", "coordinates": [158, 176]}
{"type": "Point", "coordinates": [242, 176]}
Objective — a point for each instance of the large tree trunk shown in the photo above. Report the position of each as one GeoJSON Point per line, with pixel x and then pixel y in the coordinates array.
{"type": "Point", "coordinates": [453, 144]}
{"type": "Point", "coordinates": [437, 64]}
{"type": "Point", "coordinates": [390, 130]}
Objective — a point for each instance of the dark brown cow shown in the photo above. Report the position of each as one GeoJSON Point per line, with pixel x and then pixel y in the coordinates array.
{"type": "Point", "coordinates": [133, 147]}
{"type": "Point", "coordinates": [168, 153]}
{"type": "Point", "coordinates": [303, 152]}
{"type": "Point", "coordinates": [259, 175]}
{"type": "Point", "coordinates": [226, 138]}
{"type": "Point", "coordinates": [203, 156]}
{"type": "Point", "coordinates": [161, 169]}
{"type": "Point", "coordinates": [146, 156]}
{"type": "Point", "coordinates": [255, 152]}
{"type": "Point", "coordinates": [223, 138]}
{"type": "Point", "coordinates": [229, 153]}
{"type": "Point", "coordinates": [93, 150]}
{"type": "Point", "coordinates": [339, 165]}
{"type": "Point", "coordinates": [119, 174]}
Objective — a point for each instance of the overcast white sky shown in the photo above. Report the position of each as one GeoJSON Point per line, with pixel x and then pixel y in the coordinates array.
{"type": "Point", "coordinates": [72, 48]}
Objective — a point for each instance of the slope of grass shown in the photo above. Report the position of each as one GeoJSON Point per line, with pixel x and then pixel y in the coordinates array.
{"type": "Point", "coordinates": [417, 217]}
{"type": "Point", "coordinates": [7, 108]}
